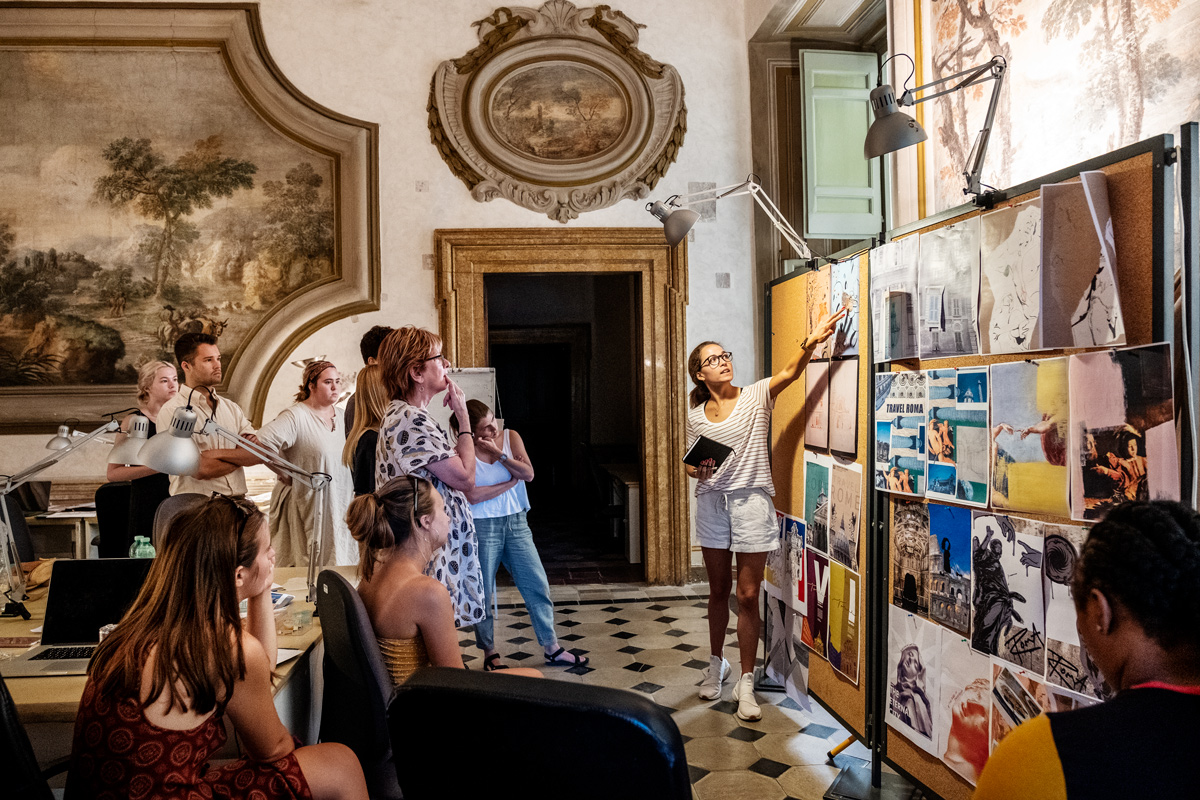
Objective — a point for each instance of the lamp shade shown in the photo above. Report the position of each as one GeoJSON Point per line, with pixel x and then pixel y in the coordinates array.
{"type": "Point", "coordinates": [128, 451]}
{"type": "Point", "coordinates": [61, 440]}
{"type": "Point", "coordinates": [891, 130]}
{"type": "Point", "coordinates": [172, 451]}
{"type": "Point", "coordinates": [676, 223]}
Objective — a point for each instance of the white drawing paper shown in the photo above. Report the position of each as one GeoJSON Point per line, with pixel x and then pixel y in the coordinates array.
{"type": "Point", "coordinates": [1011, 288]}
{"type": "Point", "coordinates": [893, 299]}
{"type": "Point", "coordinates": [950, 306]}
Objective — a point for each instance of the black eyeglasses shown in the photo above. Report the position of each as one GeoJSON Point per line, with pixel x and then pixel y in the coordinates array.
{"type": "Point", "coordinates": [719, 358]}
{"type": "Point", "coordinates": [445, 360]}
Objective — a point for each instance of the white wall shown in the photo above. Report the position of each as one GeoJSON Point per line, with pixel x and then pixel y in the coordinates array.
{"type": "Point", "coordinates": [373, 59]}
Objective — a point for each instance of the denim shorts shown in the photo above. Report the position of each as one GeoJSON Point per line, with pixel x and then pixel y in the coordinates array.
{"type": "Point", "coordinates": [741, 521]}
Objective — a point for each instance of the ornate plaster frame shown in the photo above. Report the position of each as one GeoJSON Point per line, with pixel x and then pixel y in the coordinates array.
{"type": "Point", "coordinates": [235, 31]}
{"type": "Point", "coordinates": [599, 38]}
{"type": "Point", "coordinates": [464, 257]}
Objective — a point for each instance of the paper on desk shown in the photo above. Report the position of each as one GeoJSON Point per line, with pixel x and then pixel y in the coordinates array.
{"type": "Point", "coordinates": [297, 586]}
{"type": "Point", "coordinates": [285, 654]}
{"type": "Point", "coordinates": [38, 629]}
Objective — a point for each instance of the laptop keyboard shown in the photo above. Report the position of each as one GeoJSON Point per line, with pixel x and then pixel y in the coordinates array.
{"type": "Point", "coordinates": [57, 653]}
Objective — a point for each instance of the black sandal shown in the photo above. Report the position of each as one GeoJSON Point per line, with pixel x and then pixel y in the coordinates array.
{"type": "Point", "coordinates": [556, 659]}
{"type": "Point", "coordinates": [492, 663]}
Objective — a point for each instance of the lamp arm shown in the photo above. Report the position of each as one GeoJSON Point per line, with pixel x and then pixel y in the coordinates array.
{"type": "Point", "coordinates": [781, 224]}
{"type": "Point", "coordinates": [974, 168]}
{"type": "Point", "coordinates": [684, 200]}
{"type": "Point", "coordinates": [313, 480]}
{"type": "Point", "coordinates": [992, 70]}
{"type": "Point", "coordinates": [27, 474]}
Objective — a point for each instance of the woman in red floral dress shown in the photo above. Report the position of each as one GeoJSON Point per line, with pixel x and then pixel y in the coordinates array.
{"type": "Point", "coordinates": [159, 686]}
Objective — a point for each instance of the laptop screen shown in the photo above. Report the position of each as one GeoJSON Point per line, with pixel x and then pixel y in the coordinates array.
{"type": "Point", "coordinates": [87, 594]}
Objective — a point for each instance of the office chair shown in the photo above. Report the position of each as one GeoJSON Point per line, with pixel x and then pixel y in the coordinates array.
{"type": "Point", "coordinates": [583, 741]}
{"type": "Point", "coordinates": [357, 685]}
{"type": "Point", "coordinates": [112, 518]}
{"type": "Point", "coordinates": [23, 779]}
{"type": "Point", "coordinates": [168, 510]}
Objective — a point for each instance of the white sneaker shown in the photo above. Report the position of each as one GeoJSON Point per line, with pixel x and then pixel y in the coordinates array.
{"type": "Point", "coordinates": [714, 676]}
{"type": "Point", "coordinates": [743, 695]}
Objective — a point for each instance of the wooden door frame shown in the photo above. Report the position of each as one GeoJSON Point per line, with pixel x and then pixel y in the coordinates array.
{"type": "Point", "coordinates": [462, 257]}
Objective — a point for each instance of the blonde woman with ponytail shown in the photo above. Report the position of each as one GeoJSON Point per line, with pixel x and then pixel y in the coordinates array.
{"type": "Point", "coordinates": [734, 512]}
{"type": "Point", "coordinates": [399, 527]}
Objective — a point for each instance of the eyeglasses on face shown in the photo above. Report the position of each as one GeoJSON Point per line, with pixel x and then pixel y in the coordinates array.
{"type": "Point", "coordinates": [719, 358]}
{"type": "Point", "coordinates": [445, 360]}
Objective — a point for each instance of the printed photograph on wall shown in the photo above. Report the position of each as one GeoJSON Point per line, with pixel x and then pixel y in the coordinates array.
{"type": "Point", "coordinates": [816, 500]}
{"type": "Point", "coordinates": [843, 293]}
{"type": "Point", "coordinates": [131, 218]}
{"type": "Point", "coordinates": [956, 434]}
{"type": "Point", "coordinates": [912, 676]}
{"type": "Point", "coordinates": [964, 710]}
{"type": "Point", "coordinates": [1067, 663]}
{"type": "Point", "coordinates": [1081, 306]}
{"type": "Point", "coordinates": [893, 299]}
{"type": "Point", "coordinates": [900, 432]}
{"type": "Point", "coordinates": [949, 290]}
{"type": "Point", "coordinates": [816, 627]}
{"type": "Point", "coordinates": [775, 571]}
{"type": "Point", "coordinates": [1008, 618]}
{"type": "Point", "coordinates": [816, 405]}
{"type": "Point", "coordinates": [1010, 303]}
{"type": "Point", "coordinates": [940, 442]}
{"type": "Point", "coordinates": [843, 406]}
{"type": "Point", "coordinates": [1030, 429]}
{"type": "Point", "coordinates": [910, 556]}
{"type": "Point", "coordinates": [794, 535]}
{"type": "Point", "coordinates": [845, 506]}
{"type": "Point", "coordinates": [950, 567]}
{"type": "Point", "coordinates": [1017, 696]}
{"type": "Point", "coordinates": [1122, 440]}
{"type": "Point", "coordinates": [843, 647]}
{"type": "Point", "coordinates": [817, 299]}
{"type": "Point", "coordinates": [1139, 56]}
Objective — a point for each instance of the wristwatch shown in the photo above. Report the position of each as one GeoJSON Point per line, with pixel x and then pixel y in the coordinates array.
{"type": "Point", "coordinates": [504, 457]}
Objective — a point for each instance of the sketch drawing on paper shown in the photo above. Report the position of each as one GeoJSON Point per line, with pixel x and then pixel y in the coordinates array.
{"type": "Point", "coordinates": [816, 405]}
{"type": "Point", "coordinates": [1123, 436]}
{"type": "Point", "coordinates": [900, 432]}
{"type": "Point", "coordinates": [1029, 436]}
{"type": "Point", "coordinates": [1080, 302]}
{"type": "Point", "coordinates": [965, 708]}
{"type": "Point", "coordinates": [1067, 663]}
{"type": "Point", "coordinates": [950, 567]}
{"type": "Point", "coordinates": [1008, 614]}
{"type": "Point", "coordinates": [910, 556]}
{"type": "Point", "coordinates": [775, 571]}
{"type": "Point", "coordinates": [843, 406]}
{"type": "Point", "coordinates": [797, 592]}
{"type": "Point", "coordinates": [893, 297]}
{"type": "Point", "coordinates": [843, 293]}
{"type": "Point", "coordinates": [817, 298]}
{"type": "Point", "coordinates": [845, 504]}
{"type": "Point", "coordinates": [949, 281]}
{"type": "Point", "coordinates": [1011, 286]}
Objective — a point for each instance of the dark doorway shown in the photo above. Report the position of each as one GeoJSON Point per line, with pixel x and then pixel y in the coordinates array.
{"type": "Point", "coordinates": [563, 349]}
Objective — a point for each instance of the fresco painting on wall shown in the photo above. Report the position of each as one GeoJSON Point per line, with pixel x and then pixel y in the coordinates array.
{"type": "Point", "coordinates": [131, 219]}
{"type": "Point", "coordinates": [1140, 56]}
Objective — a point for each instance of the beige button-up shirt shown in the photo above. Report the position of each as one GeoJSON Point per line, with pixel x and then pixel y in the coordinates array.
{"type": "Point", "coordinates": [229, 416]}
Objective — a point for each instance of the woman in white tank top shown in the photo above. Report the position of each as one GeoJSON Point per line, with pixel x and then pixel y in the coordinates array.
{"type": "Point", "coordinates": [498, 505]}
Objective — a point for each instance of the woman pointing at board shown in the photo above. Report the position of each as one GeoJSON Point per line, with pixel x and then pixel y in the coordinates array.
{"type": "Point", "coordinates": [734, 512]}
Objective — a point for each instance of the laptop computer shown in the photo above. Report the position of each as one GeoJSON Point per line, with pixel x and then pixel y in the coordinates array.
{"type": "Point", "coordinates": [84, 596]}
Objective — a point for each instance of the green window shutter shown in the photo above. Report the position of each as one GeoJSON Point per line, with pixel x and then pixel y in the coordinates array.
{"type": "Point", "coordinates": [842, 197]}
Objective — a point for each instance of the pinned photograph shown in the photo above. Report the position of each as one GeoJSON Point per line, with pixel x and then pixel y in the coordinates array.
{"type": "Point", "coordinates": [949, 281]}
{"type": "Point", "coordinates": [1017, 696]}
{"type": "Point", "coordinates": [900, 432]}
{"type": "Point", "coordinates": [843, 407]}
{"type": "Point", "coordinates": [950, 567]}
{"type": "Point", "coordinates": [843, 293]}
{"type": "Point", "coordinates": [913, 675]}
{"type": "Point", "coordinates": [893, 299]}
{"type": "Point", "coordinates": [816, 405]}
{"type": "Point", "coordinates": [1030, 429]}
{"type": "Point", "coordinates": [816, 500]}
{"type": "Point", "coordinates": [843, 648]}
{"type": "Point", "coordinates": [1008, 617]}
{"type": "Point", "coordinates": [964, 712]}
{"type": "Point", "coordinates": [910, 557]}
{"type": "Point", "coordinates": [845, 507]}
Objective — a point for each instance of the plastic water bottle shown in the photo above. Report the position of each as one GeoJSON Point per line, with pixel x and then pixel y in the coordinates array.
{"type": "Point", "coordinates": [142, 548]}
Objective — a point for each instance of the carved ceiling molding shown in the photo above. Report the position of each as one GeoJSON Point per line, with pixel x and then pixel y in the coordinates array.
{"type": "Point", "coordinates": [557, 110]}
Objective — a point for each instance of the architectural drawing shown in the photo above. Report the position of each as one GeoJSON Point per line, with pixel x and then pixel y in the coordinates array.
{"type": "Point", "coordinates": [893, 299]}
{"type": "Point", "coordinates": [843, 406]}
{"type": "Point", "coordinates": [949, 281]}
{"type": "Point", "coordinates": [1011, 287]}
{"type": "Point", "coordinates": [910, 556]}
{"type": "Point", "coordinates": [816, 405]}
{"type": "Point", "coordinates": [843, 293]}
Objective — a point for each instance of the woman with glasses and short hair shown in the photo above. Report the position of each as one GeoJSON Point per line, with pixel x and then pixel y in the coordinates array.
{"type": "Point", "coordinates": [161, 684]}
{"type": "Point", "coordinates": [734, 512]}
{"type": "Point", "coordinates": [399, 528]}
{"type": "Point", "coordinates": [411, 442]}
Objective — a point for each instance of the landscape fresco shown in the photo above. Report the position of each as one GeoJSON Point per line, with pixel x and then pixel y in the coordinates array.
{"type": "Point", "coordinates": [130, 218]}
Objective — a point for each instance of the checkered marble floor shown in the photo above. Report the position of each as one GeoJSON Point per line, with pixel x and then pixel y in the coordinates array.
{"type": "Point", "coordinates": [654, 640]}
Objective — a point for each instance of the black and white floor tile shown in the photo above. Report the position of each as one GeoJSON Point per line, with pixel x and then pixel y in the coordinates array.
{"type": "Point", "coordinates": [654, 640]}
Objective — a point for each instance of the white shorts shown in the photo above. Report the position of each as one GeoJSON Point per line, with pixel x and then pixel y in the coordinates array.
{"type": "Point", "coordinates": [741, 521]}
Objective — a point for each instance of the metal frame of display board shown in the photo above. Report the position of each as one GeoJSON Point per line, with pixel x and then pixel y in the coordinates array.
{"type": "Point", "coordinates": [1163, 156]}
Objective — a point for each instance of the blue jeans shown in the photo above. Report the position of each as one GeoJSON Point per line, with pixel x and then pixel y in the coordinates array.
{"type": "Point", "coordinates": [508, 541]}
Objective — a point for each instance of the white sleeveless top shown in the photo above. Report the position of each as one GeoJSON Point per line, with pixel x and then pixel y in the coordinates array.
{"type": "Point", "coordinates": [511, 502]}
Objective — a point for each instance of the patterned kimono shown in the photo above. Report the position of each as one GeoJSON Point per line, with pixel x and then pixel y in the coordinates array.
{"type": "Point", "coordinates": [409, 441]}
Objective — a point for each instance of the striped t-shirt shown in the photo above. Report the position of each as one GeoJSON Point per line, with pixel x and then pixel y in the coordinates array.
{"type": "Point", "coordinates": [747, 431]}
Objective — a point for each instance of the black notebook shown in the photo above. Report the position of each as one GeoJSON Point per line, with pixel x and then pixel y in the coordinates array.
{"type": "Point", "coordinates": [705, 448]}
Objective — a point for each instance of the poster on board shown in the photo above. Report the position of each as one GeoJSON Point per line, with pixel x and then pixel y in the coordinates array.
{"type": "Point", "coordinates": [844, 644]}
{"type": "Point", "coordinates": [816, 500]}
{"type": "Point", "coordinates": [817, 575]}
{"type": "Point", "coordinates": [900, 432]}
{"type": "Point", "coordinates": [845, 507]}
{"type": "Point", "coordinates": [817, 299]}
{"type": "Point", "coordinates": [816, 405]}
{"type": "Point", "coordinates": [910, 556]}
{"type": "Point", "coordinates": [843, 293]}
{"type": "Point", "coordinates": [949, 290]}
{"type": "Point", "coordinates": [893, 299]}
{"type": "Point", "coordinates": [1030, 428]}
{"type": "Point", "coordinates": [913, 676]}
{"type": "Point", "coordinates": [794, 536]}
{"type": "Point", "coordinates": [964, 709]}
{"type": "Point", "coordinates": [1010, 303]}
{"type": "Point", "coordinates": [843, 406]}
{"type": "Point", "coordinates": [950, 567]}
{"type": "Point", "coordinates": [1008, 617]}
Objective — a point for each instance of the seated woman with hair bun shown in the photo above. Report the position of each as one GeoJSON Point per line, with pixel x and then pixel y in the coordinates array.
{"type": "Point", "coordinates": [1138, 616]}
{"type": "Point", "coordinates": [399, 528]}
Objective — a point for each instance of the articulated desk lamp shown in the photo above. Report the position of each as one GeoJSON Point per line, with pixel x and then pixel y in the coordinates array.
{"type": "Point", "coordinates": [893, 130]}
{"type": "Point", "coordinates": [678, 219]}
{"type": "Point", "coordinates": [10, 562]}
{"type": "Point", "coordinates": [175, 453]}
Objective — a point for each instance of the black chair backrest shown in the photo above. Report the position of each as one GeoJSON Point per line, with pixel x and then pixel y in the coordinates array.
{"type": "Point", "coordinates": [168, 510]}
{"type": "Point", "coordinates": [18, 765]}
{"type": "Point", "coordinates": [357, 685]}
{"type": "Point", "coordinates": [20, 529]}
{"type": "Point", "coordinates": [112, 518]}
{"type": "Point", "coordinates": [546, 736]}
